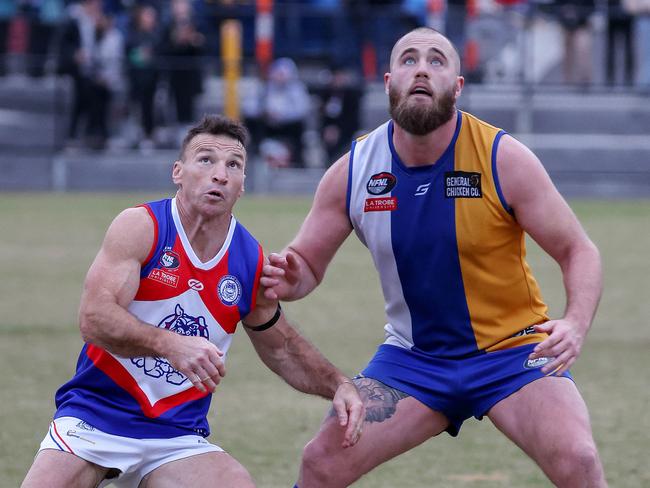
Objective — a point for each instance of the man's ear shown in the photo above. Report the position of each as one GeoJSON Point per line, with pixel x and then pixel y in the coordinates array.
{"type": "Point", "coordinates": [460, 83]}
{"type": "Point", "coordinates": [177, 171]}
{"type": "Point", "coordinates": [243, 186]}
{"type": "Point", "coordinates": [386, 82]}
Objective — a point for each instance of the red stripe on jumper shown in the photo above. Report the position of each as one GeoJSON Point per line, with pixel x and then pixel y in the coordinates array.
{"type": "Point", "coordinates": [119, 374]}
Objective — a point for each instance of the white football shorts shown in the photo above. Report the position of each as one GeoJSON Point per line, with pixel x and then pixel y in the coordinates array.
{"type": "Point", "coordinates": [133, 458]}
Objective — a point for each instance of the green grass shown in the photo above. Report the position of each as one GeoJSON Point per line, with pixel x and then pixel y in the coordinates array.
{"type": "Point", "coordinates": [47, 242]}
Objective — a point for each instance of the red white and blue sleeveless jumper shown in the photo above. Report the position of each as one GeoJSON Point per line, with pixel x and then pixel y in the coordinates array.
{"type": "Point", "coordinates": [146, 397]}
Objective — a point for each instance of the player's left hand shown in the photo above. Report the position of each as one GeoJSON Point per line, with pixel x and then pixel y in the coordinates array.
{"type": "Point", "coordinates": [564, 344]}
{"type": "Point", "coordinates": [350, 411]}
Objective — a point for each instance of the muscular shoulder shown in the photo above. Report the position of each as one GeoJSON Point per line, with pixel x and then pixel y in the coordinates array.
{"type": "Point", "coordinates": [336, 177]}
{"type": "Point", "coordinates": [131, 234]}
{"type": "Point", "coordinates": [521, 174]}
{"type": "Point", "coordinates": [327, 224]}
{"type": "Point", "coordinates": [332, 190]}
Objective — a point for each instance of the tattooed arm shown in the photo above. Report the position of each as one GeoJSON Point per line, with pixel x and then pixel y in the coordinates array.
{"type": "Point", "coordinates": [291, 356]}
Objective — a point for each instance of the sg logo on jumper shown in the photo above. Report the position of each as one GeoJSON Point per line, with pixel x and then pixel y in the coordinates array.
{"type": "Point", "coordinates": [422, 189]}
{"type": "Point", "coordinates": [463, 184]}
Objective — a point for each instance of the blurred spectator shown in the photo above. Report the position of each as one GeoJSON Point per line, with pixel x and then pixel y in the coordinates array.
{"type": "Point", "coordinates": [416, 14]}
{"type": "Point", "coordinates": [340, 104]}
{"type": "Point", "coordinates": [91, 53]}
{"type": "Point", "coordinates": [641, 11]}
{"type": "Point", "coordinates": [7, 12]}
{"type": "Point", "coordinates": [183, 47]}
{"type": "Point", "coordinates": [74, 58]}
{"type": "Point", "coordinates": [378, 23]}
{"type": "Point", "coordinates": [106, 79]}
{"type": "Point", "coordinates": [142, 65]}
{"type": "Point", "coordinates": [456, 23]}
{"type": "Point", "coordinates": [619, 43]}
{"type": "Point", "coordinates": [45, 17]}
{"type": "Point", "coordinates": [574, 17]}
{"type": "Point", "coordinates": [283, 109]}
{"type": "Point", "coordinates": [121, 11]}
{"type": "Point", "coordinates": [215, 12]}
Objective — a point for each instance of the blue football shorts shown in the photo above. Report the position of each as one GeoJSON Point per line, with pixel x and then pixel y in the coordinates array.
{"type": "Point", "coordinates": [458, 388]}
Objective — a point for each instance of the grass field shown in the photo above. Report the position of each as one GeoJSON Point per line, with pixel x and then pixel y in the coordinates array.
{"type": "Point", "coordinates": [48, 241]}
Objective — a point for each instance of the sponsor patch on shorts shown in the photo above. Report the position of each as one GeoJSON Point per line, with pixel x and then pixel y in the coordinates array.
{"type": "Point", "coordinates": [537, 362]}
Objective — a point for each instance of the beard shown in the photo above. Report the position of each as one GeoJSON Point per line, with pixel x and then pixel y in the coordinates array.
{"type": "Point", "coordinates": [420, 119]}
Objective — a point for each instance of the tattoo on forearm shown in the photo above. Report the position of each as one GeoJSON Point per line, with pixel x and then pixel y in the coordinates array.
{"type": "Point", "coordinates": [380, 399]}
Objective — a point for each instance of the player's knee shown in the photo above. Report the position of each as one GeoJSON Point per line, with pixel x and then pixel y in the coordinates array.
{"type": "Point", "coordinates": [578, 461]}
{"type": "Point", "coordinates": [314, 458]}
{"type": "Point", "coordinates": [585, 455]}
{"type": "Point", "coordinates": [318, 462]}
{"type": "Point", "coordinates": [241, 478]}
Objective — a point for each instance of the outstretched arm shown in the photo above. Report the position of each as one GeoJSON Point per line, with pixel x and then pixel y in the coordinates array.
{"type": "Point", "coordinates": [299, 363]}
{"type": "Point", "coordinates": [545, 216]}
{"type": "Point", "coordinates": [111, 284]}
{"type": "Point", "coordinates": [300, 267]}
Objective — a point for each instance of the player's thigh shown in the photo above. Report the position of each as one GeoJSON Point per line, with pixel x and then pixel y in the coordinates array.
{"type": "Point", "coordinates": [55, 469]}
{"type": "Point", "coordinates": [394, 423]}
{"type": "Point", "coordinates": [200, 471]}
{"type": "Point", "coordinates": [544, 414]}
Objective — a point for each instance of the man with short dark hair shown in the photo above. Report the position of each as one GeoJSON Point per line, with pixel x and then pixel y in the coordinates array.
{"type": "Point", "coordinates": [159, 308]}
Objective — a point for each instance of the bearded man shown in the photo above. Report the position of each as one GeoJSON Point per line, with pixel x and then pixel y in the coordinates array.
{"type": "Point", "coordinates": [443, 200]}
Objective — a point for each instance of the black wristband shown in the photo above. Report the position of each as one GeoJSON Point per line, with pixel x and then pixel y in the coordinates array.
{"type": "Point", "coordinates": [266, 325]}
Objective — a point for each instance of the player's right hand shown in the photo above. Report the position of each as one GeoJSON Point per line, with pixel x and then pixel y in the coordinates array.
{"type": "Point", "coordinates": [198, 359]}
{"type": "Point", "coordinates": [350, 411]}
{"type": "Point", "coordinates": [280, 276]}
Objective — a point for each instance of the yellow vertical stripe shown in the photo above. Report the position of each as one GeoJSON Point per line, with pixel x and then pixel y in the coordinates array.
{"type": "Point", "coordinates": [502, 296]}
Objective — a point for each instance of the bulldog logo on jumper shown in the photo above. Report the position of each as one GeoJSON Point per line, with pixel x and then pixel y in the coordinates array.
{"type": "Point", "coordinates": [182, 324]}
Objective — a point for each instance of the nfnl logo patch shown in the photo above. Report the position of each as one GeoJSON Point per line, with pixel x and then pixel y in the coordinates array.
{"type": "Point", "coordinates": [381, 183]}
{"type": "Point", "coordinates": [380, 204]}
{"type": "Point", "coordinates": [170, 260]}
{"type": "Point", "coordinates": [463, 184]}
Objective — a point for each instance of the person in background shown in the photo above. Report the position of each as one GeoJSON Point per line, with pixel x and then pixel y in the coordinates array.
{"type": "Point", "coordinates": [7, 12]}
{"type": "Point", "coordinates": [182, 48]}
{"type": "Point", "coordinates": [619, 44]}
{"type": "Point", "coordinates": [106, 80]}
{"type": "Point", "coordinates": [75, 55]}
{"type": "Point", "coordinates": [285, 106]}
{"type": "Point", "coordinates": [340, 106]}
{"type": "Point", "coordinates": [45, 16]}
{"type": "Point", "coordinates": [640, 9]}
{"type": "Point", "coordinates": [142, 46]}
{"type": "Point", "coordinates": [574, 17]}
